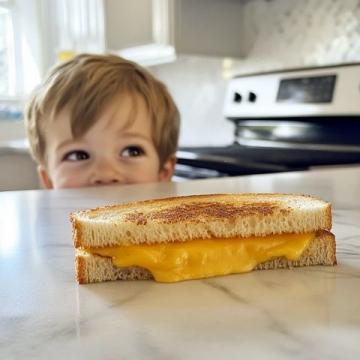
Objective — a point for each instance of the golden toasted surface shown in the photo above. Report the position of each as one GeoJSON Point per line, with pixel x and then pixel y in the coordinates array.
{"type": "Point", "coordinates": [200, 216]}
{"type": "Point", "coordinates": [196, 210]}
{"type": "Point", "coordinates": [188, 208]}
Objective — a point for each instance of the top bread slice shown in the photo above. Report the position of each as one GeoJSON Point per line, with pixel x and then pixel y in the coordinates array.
{"type": "Point", "coordinates": [199, 217]}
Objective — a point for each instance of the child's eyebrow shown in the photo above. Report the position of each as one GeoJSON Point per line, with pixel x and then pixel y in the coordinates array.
{"type": "Point", "coordinates": [133, 134]}
{"type": "Point", "coordinates": [65, 143]}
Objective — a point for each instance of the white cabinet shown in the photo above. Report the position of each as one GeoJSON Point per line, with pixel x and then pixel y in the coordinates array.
{"type": "Point", "coordinates": [18, 170]}
{"type": "Point", "coordinates": [209, 27]}
{"type": "Point", "coordinates": [128, 23]}
{"type": "Point", "coordinates": [152, 31]}
{"type": "Point", "coordinates": [140, 30]}
{"type": "Point", "coordinates": [157, 30]}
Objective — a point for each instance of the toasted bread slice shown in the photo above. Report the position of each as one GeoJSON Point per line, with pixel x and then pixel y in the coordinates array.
{"type": "Point", "coordinates": [92, 268]}
{"type": "Point", "coordinates": [199, 217]}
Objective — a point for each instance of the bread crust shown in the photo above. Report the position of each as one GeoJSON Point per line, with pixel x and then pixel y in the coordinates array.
{"type": "Point", "coordinates": [93, 268]}
{"type": "Point", "coordinates": [199, 217]}
{"type": "Point", "coordinates": [76, 229]}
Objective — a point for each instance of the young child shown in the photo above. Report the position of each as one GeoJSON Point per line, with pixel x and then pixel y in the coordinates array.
{"type": "Point", "coordinates": [100, 120]}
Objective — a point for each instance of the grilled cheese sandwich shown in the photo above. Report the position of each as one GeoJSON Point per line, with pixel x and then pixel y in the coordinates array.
{"type": "Point", "coordinates": [241, 232]}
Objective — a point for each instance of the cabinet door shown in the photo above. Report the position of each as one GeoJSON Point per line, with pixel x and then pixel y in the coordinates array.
{"type": "Point", "coordinates": [194, 27]}
{"type": "Point", "coordinates": [209, 27]}
{"type": "Point", "coordinates": [128, 23]}
{"type": "Point", "coordinates": [152, 31]}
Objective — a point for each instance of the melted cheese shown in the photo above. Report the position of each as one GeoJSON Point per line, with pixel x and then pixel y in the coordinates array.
{"type": "Point", "coordinates": [196, 259]}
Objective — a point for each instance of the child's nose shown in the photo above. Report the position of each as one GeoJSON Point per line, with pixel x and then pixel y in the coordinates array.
{"type": "Point", "coordinates": [106, 175]}
{"type": "Point", "coordinates": [104, 181]}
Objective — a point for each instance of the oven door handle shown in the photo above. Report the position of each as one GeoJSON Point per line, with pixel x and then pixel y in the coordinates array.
{"type": "Point", "coordinates": [222, 163]}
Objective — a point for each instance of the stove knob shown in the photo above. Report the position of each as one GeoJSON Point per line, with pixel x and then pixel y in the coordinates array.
{"type": "Point", "coordinates": [252, 97]}
{"type": "Point", "coordinates": [237, 97]}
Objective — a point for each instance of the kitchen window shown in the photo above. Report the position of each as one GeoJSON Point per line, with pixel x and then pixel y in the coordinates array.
{"type": "Point", "coordinates": [7, 50]}
{"type": "Point", "coordinates": [20, 53]}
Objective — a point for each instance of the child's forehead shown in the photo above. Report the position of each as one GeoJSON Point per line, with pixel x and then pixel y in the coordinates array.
{"type": "Point", "coordinates": [122, 110]}
{"type": "Point", "coordinates": [127, 99]}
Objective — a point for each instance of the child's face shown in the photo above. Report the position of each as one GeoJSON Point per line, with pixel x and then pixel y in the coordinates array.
{"type": "Point", "coordinates": [113, 151]}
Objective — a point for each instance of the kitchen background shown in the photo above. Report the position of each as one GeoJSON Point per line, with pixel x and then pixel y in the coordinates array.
{"type": "Point", "coordinates": [212, 39]}
{"type": "Point", "coordinates": [277, 34]}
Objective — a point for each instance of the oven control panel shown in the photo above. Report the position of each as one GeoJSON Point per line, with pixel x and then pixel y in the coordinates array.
{"type": "Point", "coordinates": [321, 91]}
{"type": "Point", "coordinates": [304, 90]}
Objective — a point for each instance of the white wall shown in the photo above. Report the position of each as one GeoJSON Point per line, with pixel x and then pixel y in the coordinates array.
{"type": "Point", "coordinates": [279, 34]}
{"type": "Point", "coordinates": [198, 87]}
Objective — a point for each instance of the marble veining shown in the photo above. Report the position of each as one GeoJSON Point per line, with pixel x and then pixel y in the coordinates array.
{"type": "Point", "coordinates": [300, 313]}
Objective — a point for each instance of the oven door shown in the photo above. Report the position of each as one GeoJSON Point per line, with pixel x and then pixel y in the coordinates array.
{"type": "Point", "coordinates": [204, 162]}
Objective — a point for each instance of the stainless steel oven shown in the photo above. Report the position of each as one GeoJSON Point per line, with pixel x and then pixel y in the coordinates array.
{"type": "Point", "coordinates": [284, 121]}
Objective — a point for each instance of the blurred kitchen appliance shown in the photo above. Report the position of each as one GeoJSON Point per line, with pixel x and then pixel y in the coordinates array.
{"type": "Point", "coordinates": [285, 121]}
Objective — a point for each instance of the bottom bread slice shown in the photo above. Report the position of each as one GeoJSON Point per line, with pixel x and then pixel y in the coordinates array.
{"type": "Point", "coordinates": [94, 268]}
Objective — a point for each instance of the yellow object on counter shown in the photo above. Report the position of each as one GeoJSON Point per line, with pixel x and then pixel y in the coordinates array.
{"type": "Point", "coordinates": [171, 262]}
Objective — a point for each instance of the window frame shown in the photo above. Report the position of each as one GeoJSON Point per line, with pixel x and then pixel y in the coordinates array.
{"type": "Point", "coordinates": [14, 86]}
{"type": "Point", "coordinates": [26, 18]}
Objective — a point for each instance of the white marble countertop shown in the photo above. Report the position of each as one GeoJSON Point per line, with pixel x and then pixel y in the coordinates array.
{"type": "Point", "coordinates": [304, 313]}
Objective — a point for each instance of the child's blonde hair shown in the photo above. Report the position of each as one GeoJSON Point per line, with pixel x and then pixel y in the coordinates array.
{"type": "Point", "coordinates": [85, 85]}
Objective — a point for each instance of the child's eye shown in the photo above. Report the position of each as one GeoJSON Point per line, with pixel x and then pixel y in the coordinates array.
{"type": "Point", "coordinates": [132, 151]}
{"type": "Point", "coordinates": [76, 155]}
